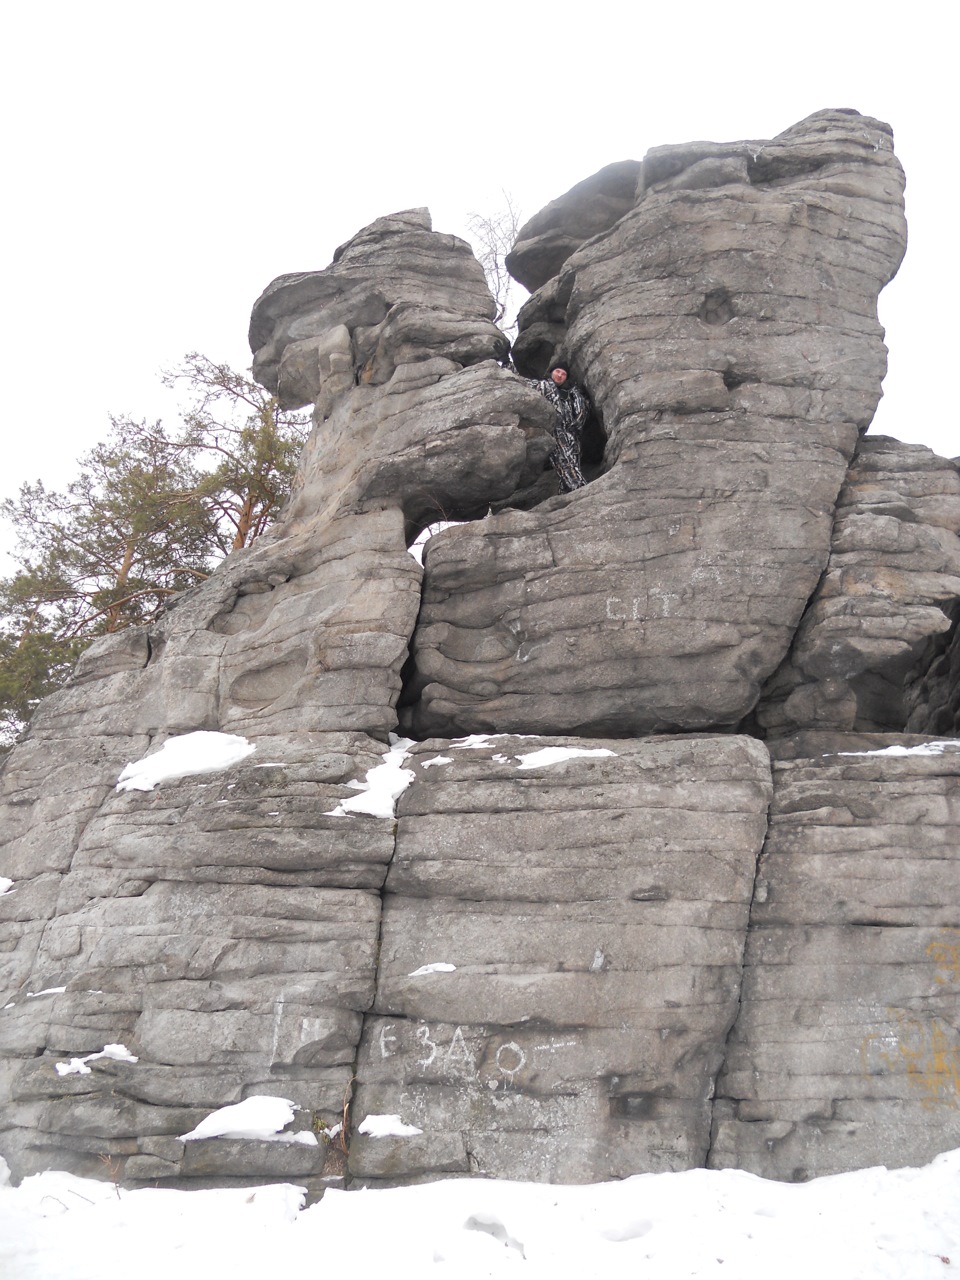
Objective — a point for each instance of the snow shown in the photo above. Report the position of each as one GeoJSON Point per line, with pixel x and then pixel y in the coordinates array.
{"type": "Point", "coordinates": [78, 1066]}
{"type": "Point", "coordinates": [387, 1127]}
{"type": "Point", "coordinates": [179, 757]}
{"type": "Point", "coordinates": [302, 1138]}
{"type": "Point", "coordinates": [384, 783]}
{"type": "Point", "coordinates": [871, 1225]}
{"type": "Point", "coordinates": [417, 548]}
{"type": "Point", "coordinates": [477, 741]}
{"type": "Point", "coordinates": [259, 1116]}
{"type": "Point", "coordinates": [922, 749]}
{"type": "Point", "coordinates": [47, 991]}
{"type": "Point", "coordinates": [440, 967]}
{"type": "Point", "coordinates": [553, 755]}
{"type": "Point", "coordinates": [528, 760]}
{"type": "Point", "coordinates": [5, 885]}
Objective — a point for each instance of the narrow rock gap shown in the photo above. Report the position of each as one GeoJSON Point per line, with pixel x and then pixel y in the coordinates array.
{"type": "Point", "coordinates": [370, 1012]}
{"type": "Point", "coordinates": [409, 695]}
{"type": "Point", "coordinates": [931, 688]}
{"type": "Point", "coordinates": [750, 724]}
{"type": "Point", "coordinates": [715, 1097]}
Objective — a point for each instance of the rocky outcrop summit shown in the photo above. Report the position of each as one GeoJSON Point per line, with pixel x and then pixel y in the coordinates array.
{"type": "Point", "coordinates": [664, 874]}
{"type": "Point", "coordinates": [735, 361]}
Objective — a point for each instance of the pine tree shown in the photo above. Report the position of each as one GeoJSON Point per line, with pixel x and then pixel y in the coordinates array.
{"type": "Point", "coordinates": [252, 443]}
{"type": "Point", "coordinates": [150, 513]}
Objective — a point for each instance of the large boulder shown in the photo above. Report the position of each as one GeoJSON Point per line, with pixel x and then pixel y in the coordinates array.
{"type": "Point", "coordinates": [228, 930]}
{"type": "Point", "coordinates": [395, 265]}
{"type": "Point", "coordinates": [591, 207]}
{"type": "Point", "coordinates": [224, 930]}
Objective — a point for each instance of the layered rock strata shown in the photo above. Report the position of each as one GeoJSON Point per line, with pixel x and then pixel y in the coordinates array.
{"type": "Point", "coordinates": [846, 1051]}
{"type": "Point", "coordinates": [726, 329]}
{"type": "Point", "coordinates": [224, 930]}
{"type": "Point", "coordinates": [590, 208]}
{"type": "Point", "coordinates": [297, 642]}
{"type": "Point", "coordinates": [560, 955]}
{"type": "Point", "coordinates": [892, 575]}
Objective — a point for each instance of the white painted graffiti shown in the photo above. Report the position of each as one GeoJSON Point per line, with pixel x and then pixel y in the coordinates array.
{"type": "Point", "coordinates": [623, 610]}
{"type": "Point", "coordinates": [456, 1055]}
{"type": "Point", "coordinates": [507, 1054]}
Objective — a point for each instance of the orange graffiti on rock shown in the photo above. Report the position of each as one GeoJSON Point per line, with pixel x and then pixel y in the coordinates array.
{"type": "Point", "coordinates": [945, 954]}
{"type": "Point", "coordinates": [929, 1052]}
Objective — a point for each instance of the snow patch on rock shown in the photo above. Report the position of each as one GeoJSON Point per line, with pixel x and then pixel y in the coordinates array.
{"type": "Point", "coordinates": [387, 1127]}
{"type": "Point", "coordinates": [184, 755]}
{"type": "Point", "coordinates": [383, 785]}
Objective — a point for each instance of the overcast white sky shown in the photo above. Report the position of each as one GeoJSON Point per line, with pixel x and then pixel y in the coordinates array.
{"type": "Point", "coordinates": [164, 162]}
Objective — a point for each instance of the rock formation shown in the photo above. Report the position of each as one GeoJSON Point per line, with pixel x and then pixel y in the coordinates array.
{"type": "Point", "coordinates": [894, 564]}
{"type": "Point", "coordinates": [846, 1049]}
{"type": "Point", "coordinates": [670, 881]}
{"type": "Point", "coordinates": [726, 326]}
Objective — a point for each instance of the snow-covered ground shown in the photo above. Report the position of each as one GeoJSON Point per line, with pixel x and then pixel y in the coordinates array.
{"type": "Point", "coordinates": [901, 1225]}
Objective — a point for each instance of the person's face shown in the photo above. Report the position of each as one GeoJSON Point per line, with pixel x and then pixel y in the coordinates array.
{"type": "Point", "coordinates": [559, 376]}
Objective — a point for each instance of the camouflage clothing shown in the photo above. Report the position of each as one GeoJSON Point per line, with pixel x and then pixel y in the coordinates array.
{"type": "Point", "coordinates": [571, 406]}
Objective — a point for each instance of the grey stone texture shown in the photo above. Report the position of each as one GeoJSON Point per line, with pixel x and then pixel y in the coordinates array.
{"type": "Point", "coordinates": [596, 932]}
{"type": "Point", "coordinates": [627, 993]}
{"type": "Point", "coordinates": [891, 577]}
{"type": "Point", "coordinates": [591, 207]}
{"type": "Point", "coordinates": [846, 1051]}
{"type": "Point", "coordinates": [727, 333]}
{"type": "Point", "coordinates": [932, 688]}
{"type": "Point", "coordinates": [225, 930]}
{"type": "Point", "coordinates": [312, 332]}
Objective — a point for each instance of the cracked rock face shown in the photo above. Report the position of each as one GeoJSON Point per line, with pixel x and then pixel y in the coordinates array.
{"type": "Point", "coordinates": [555, 958]}
{"type": "Point", "coordinates": [228, 938]}
{"type": "Point", "coordinates": [846, 1050]}
{"type": "Point", "coordinates": [590, 915]}
{"type": "Point", "coordinates": [225, 931]}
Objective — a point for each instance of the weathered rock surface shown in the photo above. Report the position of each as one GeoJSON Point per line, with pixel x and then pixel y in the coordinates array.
{"type": "Point", "coordinates": [728, 334]}
{"type": "Point", "coordinates": [539, 961]}
{"type": "Point", "coordinates": [893, 571]}
{"type": "Point", "coordinates": [594, 912]}
{"type": "Point", "coordinates": [591, 207]}
{"type": "Point", "coordinates": [311, 327]}
{"type": "Point", "coordinates": [846, 1051]}
{"type": "Point", "coordinates": [229, 934]}
{"type": "Point", "coordinates": [932, 688]}
{"type": "Point", "coordinates": [224, 930]}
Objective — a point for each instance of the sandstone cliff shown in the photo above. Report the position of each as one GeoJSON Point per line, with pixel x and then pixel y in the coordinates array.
{"type": "Point", "coordinates": [667, 883]}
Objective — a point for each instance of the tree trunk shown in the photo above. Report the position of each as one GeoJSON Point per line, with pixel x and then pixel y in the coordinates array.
{"type": "Point", "coordinates": [245, 522]}
{"type": "Point", "coordinates": [113, 614]}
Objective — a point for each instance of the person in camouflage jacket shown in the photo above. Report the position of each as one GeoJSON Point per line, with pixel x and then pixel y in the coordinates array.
{"type": "Point", "coordinates": [572, 408]}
